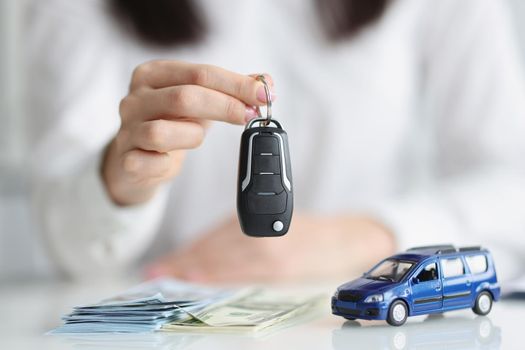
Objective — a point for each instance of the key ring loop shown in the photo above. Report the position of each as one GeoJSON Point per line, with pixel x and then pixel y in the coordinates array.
{"type": "Point", "coordinates": [268, 102]}
{"type": "Point", "coordinates": [262, 121]}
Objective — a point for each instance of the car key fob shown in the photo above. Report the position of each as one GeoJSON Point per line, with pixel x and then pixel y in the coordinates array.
{"type": "Point", "coordinates": [264, 189]}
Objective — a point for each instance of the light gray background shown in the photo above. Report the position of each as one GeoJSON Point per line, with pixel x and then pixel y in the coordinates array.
{"type": "Point", "coordinates": [21, 253]}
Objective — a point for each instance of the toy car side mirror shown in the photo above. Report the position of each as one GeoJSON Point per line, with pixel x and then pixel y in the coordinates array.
{"type": "Point", "coordinates": [415, 280]}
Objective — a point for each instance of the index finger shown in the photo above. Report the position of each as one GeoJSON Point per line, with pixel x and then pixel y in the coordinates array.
{"type": "Point", "coordinates": [160, 74]}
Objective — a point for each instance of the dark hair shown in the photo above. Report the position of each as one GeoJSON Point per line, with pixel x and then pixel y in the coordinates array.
{"type": "Point", "coordinates": [171, 22]}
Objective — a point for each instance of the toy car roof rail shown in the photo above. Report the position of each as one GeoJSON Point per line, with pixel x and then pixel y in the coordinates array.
{"type": "Point", "coordinates": [469, 249]}
{"type": "Point", "coordinates": [437, 248]}
{"type": "Point", "coordinates": [446, 250]}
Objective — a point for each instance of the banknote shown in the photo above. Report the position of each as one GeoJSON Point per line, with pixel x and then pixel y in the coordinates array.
{"type": "Point", "coordinates": [255, 310]}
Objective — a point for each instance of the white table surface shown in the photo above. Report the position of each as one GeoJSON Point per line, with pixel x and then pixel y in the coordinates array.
{"type": "Point", "coordinates": [29, 310]}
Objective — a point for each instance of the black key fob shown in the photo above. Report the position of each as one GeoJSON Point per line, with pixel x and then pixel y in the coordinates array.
{"type": "Point", "coordinates": [264, 188]}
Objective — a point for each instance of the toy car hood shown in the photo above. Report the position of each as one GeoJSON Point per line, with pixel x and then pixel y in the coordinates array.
{"type": "Point", "coordinates": [366, 285]}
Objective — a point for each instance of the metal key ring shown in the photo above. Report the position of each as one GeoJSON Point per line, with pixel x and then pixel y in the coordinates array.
{"type": "Point", "coordinates": [263, 121]}
{"type": "Point", "coordinates": [268, 102]}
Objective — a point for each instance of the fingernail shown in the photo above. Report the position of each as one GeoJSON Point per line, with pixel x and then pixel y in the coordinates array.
{"type": "Point", "coordinates": [261, 94]}
{"type": "Point", "coordinates": [251, 113]}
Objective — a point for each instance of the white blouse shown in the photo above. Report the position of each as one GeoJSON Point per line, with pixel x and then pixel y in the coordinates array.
{"type": "Point", "coordinates": [419, 120]}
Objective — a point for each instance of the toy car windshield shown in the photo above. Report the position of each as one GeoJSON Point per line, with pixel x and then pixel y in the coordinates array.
{"type": "Point", "coordinates": [392, 270]}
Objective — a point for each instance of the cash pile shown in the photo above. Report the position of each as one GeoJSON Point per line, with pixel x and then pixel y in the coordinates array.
{"type": "Point", "coordinates": [142, 309]}
{"type": "Point", "coordinates": [172, 305]}
{"type": "Point", "coordinates": [252, 311]}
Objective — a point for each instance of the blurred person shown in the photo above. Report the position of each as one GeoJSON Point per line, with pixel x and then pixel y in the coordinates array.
{"type": "Point", "coordinates": [405, 120]}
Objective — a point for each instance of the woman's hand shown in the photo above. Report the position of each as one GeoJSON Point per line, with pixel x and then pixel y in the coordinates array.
{"type": "Point", "coordinates": [165, 113]}
{"type": "Point", "coordinates": [316, 247]}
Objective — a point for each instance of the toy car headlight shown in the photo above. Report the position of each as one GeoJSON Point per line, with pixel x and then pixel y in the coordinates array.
{"type": "Point", "coordinates": [375, 298]}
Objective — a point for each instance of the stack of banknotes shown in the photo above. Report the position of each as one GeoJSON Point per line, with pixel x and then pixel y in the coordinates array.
{"type": "Point", "coordinates": [172, 305]}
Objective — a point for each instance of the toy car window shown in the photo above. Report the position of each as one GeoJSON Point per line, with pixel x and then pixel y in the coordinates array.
{"type": "Point", "coordinates": [390, 270]}
{"type": "Point", "coordinates": [452, 267]}
{"type": "Point", "coordinates": [477, 263]}
{"type": "Point", "coordinates": [429, 273]}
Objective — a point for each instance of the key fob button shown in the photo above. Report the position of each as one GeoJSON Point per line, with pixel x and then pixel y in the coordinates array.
{"type": "Point", "coordinates": [266, 184]}
{"type": "Point", "coordinates": [266, 145]}
{"type": "Point", "coordinates": [266, 164]}
{"type": "Point", "coordinates": [266, 204]}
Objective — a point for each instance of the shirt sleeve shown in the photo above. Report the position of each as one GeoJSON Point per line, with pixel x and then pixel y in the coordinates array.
{"type": "Point", "coordinates": [76, 80]}
{"type": "Point", "coordinates": [473, 122]}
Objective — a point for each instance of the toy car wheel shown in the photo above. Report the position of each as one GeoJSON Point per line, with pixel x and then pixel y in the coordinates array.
{"type": "Point", "coordinates": [483, 303]}
{"type": "Point", "coordinates": [397, 313]}
{"type": "Point", "coordinates": [350, 318]}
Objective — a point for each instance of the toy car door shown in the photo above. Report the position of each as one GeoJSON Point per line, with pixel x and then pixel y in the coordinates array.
{"type": "Point", "coordinates": [427, 291]}
{"type": "Point", "coordinates": [456, 283]}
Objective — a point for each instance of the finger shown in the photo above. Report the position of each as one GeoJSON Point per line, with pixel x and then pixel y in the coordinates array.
{"type": "Point", "coordinates": [160, 269]}
{"type": "Point", "coordinates": [167, 135]}
{"type": "Point", "coordinates": [174, 265]}
{"type": "Point", "coordinates": [269, 81]}
{"type": "Point", "coordinates": [207, 264]}
{"type": "Point", "coordinates": [267, 77]}
{"type": "Point", "coordinates": [228, 273]}
{"type": "Point", "coordinates": [213, 268]}
{"type": "Point", "coordinates": [194, 102]}
{"type": "Point", "coordinates": [161, 74]}
{"type": "Point", "coordinates": [148, 168]}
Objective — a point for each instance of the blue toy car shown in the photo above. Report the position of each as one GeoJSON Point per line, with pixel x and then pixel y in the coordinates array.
{"type": "Point", "coordinates": [422, 280]}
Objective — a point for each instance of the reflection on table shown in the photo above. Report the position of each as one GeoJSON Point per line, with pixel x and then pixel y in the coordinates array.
{"type": "Point", "coordinates": [435, 332]}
